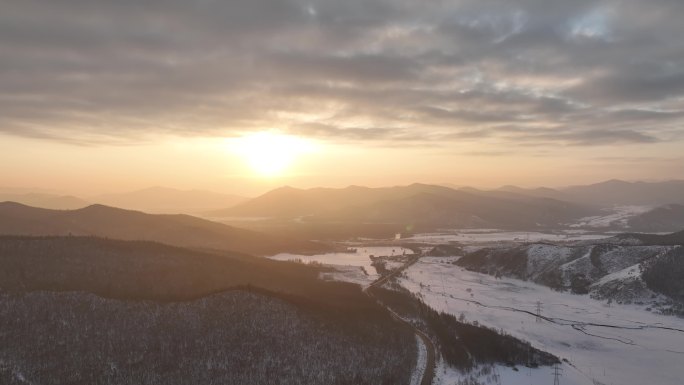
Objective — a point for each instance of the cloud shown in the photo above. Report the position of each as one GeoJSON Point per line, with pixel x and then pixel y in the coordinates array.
{"type": "Point", "coordinates": [596, 137]}
{"type": "Point", "coordinates": [528, 72]}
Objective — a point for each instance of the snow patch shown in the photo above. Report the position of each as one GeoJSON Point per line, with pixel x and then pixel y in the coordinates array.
{"type": "Point", "coordinates": [359, 258]}
{"type": "Point", "coordinates": [421, 362]}
{"type": "Point", "coordinates": [614, 217]}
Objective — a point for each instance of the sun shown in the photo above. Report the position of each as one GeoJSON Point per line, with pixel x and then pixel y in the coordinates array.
{"type": "Point", "coordinates": [270, 154]}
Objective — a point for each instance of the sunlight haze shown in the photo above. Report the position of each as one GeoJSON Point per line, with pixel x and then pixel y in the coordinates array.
{"type": "Point", "coordinates": [387, 94]}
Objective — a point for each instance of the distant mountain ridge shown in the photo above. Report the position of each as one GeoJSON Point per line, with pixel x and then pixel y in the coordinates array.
{"type": "Point", "coordinates": [414, 204]}
{"type": "Point", "coordinates": [621, 205]}
{"type": "Point", "coordinates": [169, 201]}
{"type": "Point", "coordinates": [45, 200]}
{"type": "Point", "coordinates": [293, 202]}
{"type": "Point", "coordinates": [618, 192]}
{"type": "Point", "coordinates": [608, 193]}
{"type": "Point", "coordinates": [158, 200]}
{"type": "Point", "coordinates": [542, 192]}
{"type": "Point", "coordinates": [177, 230]}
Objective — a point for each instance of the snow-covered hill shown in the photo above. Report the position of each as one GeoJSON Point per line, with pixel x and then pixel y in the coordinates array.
{"type": "Point", "coordinates": [623, 270]}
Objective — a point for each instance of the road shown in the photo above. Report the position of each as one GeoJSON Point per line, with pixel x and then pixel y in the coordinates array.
{"type": "Point", "coordinates": [429, 372]}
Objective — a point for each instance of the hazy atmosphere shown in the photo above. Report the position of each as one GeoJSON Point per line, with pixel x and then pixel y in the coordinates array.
{"type": "Point", "coordinates": [341, 192]}
{"type": "Point", "coordinates": [108, 96]}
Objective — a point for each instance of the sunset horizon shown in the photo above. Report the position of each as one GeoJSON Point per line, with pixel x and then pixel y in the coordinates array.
{"type": "Point", "coordinates": [117, 97]}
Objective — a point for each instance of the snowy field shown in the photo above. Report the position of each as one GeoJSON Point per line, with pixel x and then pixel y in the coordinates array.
{"type": "Point", "coordinates": [492, 235]}
{"type": "Point", "coordinates": [614, 217]}
{"type": "Point", "coordinates": [503, 375]}
{"type": "Point", "coordinates": [621, 345]}
{"type": "Point", "coordinates": [361, 258]}
{"type": "Point", "coordinates": [611, 345]}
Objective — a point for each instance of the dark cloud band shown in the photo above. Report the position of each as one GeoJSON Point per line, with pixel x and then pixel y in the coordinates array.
{"type": "Point", "coordinates": [532, 72]}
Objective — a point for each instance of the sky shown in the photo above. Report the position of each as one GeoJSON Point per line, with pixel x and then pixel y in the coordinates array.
{"type": "Point", "coordinates": [99, 96]}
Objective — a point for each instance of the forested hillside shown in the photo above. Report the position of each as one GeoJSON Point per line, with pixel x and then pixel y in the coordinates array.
{"type": "Point", "coordinates": [235, 337]}
{"type": "Point", "coordinates": [142, 312]}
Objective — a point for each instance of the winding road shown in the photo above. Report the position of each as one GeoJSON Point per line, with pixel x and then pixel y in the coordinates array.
{"type": "Point", "coordinates": [429, 372]}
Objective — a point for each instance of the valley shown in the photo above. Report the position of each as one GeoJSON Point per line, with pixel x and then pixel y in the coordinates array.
{"type": "Point", "coordinates": [414, 285]}
{"type": "Point", "coordinates": [601, 340]}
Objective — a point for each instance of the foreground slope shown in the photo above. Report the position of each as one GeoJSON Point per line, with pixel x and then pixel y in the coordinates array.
{"type": "Point", "coordinates": [98, 311]}
{"type": "Point", "coordinates": [179, 230]}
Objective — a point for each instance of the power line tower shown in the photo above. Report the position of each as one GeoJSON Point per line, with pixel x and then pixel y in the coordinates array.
{"type": "Point", "coordinates": [539, 310]}
{"type": "Point", "coordinates": [557, 374]}
{"type": "Point", "coordinates": [444, 293]}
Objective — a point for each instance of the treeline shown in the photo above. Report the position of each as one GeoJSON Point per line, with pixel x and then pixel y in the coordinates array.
{"type": "Point", "coordinates": [463, 345]}
{"type": "Point", "coordinates": [672, 239]}
{"type": "Point", "coordinates": [665, 275]}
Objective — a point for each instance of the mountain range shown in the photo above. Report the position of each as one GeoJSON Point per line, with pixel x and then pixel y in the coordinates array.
{"type": "Point", "coordinates": [177, 230]}
{"type": "Point", "coordinates": [660, 205]}
{"type": "Point", "coordinates": [161, 200]}
{"type": "Point", "coordinates": [421, 204]}
{"type": "Point", "coordinates": [656, 206]}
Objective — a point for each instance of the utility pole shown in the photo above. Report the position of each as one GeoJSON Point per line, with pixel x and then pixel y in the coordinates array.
{"type": "Point", "coordinates": [557, 374]}
{"type": "Point", "coordinates": [539, 309]}
{"type": "Point", "coordinates": [444, 294]}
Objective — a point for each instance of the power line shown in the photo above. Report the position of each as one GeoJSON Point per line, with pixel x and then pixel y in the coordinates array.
{"type": "Point", "coordinates": [557, 374]}
{"type": "Point", "coordinates": [539, 310]}
{"type": "Point", "coordinates": [444, 294]}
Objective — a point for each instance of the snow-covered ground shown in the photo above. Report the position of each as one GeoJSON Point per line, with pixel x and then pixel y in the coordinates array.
{"type": "Point", "coordinates": [612, 345]}
{"type": "Point", "coordinates": [490, 235]}
{"type": "Point", "coordinates": [504, 375]}
{"type": "Point", "coordinates": [360, 258]}
{"type": "Point", "coordinates": [613, 217]}
{"type": "Point", "coordinates": [353, 274]}
{"type": "Point", "coordinates": [421, 362]}
{"type": "Point", "coordinates": [618, 344]}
